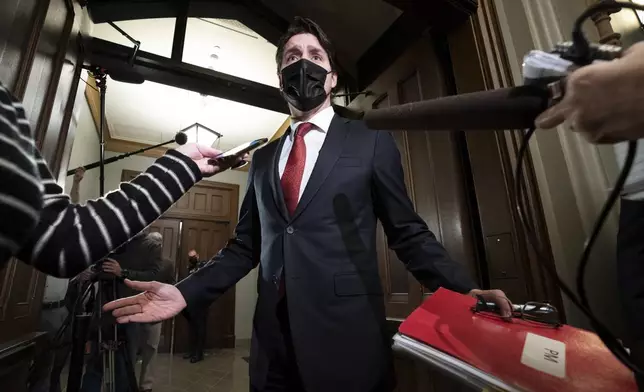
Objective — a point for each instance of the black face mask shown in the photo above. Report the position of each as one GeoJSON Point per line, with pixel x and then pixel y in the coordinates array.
{"type": "Point", "coordinates": [303, 85]}
{"type": "Point", "coordinates": [193, 260]}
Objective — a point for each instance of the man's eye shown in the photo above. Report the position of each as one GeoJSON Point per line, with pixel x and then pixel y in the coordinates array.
{"type": "Point", "coordinates": [291, 58]}
{"type": "Point", "coordinates": [317, 58]}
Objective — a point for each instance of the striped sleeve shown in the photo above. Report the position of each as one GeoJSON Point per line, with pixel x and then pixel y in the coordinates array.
{"type": "Point", "coordinates": [69, 237]}
{"type": "Point", "coordinates": [21, 191]}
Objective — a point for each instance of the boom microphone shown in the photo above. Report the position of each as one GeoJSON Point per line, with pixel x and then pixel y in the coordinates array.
{"type": "Point", "coordinates": [508, 108]}
{"type": "Point", "coordinates": [118, 73]}
{"type": "Point", "coordinates": [180, 138]}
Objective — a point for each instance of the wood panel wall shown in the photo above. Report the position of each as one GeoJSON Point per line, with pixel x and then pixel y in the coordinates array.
{"type": "Point", "coordinates": [39, 57]}
{"type": "Point", "coordinates": [39, 67]}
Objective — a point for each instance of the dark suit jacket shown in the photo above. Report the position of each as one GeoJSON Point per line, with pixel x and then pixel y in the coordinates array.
{"type": "Point", "coordinates": [334, 294]}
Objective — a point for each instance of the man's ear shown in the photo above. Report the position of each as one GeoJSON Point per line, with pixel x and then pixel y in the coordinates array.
{"type": "Point", "coordinates": [334, 80]}
{"type": "Point", "coordinates": [279, 77]}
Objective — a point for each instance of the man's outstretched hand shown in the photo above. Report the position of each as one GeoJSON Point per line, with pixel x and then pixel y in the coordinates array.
{"type": "Point", "coordinates": [159, 301]}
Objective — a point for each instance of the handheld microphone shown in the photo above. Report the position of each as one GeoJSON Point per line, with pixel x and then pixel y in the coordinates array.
{"type": "Point", "coordinates": [180, 138]}
{"type": "Point", "coordinates": [508, 108]}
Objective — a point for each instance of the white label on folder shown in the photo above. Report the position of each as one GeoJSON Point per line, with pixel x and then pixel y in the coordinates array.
{"type": "Point", "coordinates": [544, 354]}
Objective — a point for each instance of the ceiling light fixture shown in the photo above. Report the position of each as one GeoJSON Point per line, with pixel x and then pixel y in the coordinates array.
{"type": "Point", "coordinates": [201, 134]}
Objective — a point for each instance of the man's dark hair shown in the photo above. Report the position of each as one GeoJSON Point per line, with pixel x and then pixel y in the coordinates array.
{"type": "Point", "coordinates": [306, 26]}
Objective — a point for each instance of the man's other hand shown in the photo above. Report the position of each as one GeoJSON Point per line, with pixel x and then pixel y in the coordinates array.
{"type": "Point", "coordinates": [496, 296]}
{"type": "Point", "coordinates": [205, 158]}
{"type": "Point", "coordinates": [158, 302]}
{"type": "Point", "coordinates": [113, 267]}
{"type": "Point", "coordinates": [616, 118]}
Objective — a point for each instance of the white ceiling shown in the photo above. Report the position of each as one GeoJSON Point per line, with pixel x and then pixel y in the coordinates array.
{"type": "Point", "coordinates": [152, 113]}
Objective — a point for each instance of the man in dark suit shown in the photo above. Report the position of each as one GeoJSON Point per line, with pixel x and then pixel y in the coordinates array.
{"type": "Point", "coordinates": [309, 221]}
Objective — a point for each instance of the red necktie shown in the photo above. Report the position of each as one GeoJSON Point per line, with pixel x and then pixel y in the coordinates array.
{"type": "Point", "coordinates": [292, 179]}
{"type": "Point", "coordinates": [292, 176]}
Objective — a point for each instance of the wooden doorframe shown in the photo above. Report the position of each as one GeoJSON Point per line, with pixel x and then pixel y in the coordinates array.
{"type": "Point", "coordinates": [480, 62]}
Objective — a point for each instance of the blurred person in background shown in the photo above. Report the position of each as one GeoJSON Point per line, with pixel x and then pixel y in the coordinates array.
{"type": "Point", "coordinates": [197, 317]}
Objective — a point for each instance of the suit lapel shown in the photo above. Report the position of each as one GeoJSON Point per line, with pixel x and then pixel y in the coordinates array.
{"type": "Point", "coordinates": [273, 172]}
{"type": "Point", "coordinates": [329, 154]}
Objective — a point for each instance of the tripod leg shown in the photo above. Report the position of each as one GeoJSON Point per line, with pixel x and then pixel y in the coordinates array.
{"type": "Point", "coordinates": [79, 333]}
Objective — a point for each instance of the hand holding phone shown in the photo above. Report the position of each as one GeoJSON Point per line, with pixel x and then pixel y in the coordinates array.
{"type": "Point", "coordinates": [239, 152]}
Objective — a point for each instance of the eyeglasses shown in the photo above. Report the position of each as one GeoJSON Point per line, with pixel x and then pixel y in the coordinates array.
{"type": "Point", "coordinates": [536, 312]}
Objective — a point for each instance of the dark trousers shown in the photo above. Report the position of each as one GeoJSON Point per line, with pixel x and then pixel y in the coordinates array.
{"type": "Point", "coordinates": [197, 322]}
{"type": "Point", "coordinates": [630, 275]}
{"type": "Point", "coordinates": [283, 373]}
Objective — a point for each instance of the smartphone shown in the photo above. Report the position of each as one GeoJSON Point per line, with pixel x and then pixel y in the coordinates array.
{"type": "Point", "coordinates": [244, 148]}
{"type": "Point", "coordinates": [240, 151]}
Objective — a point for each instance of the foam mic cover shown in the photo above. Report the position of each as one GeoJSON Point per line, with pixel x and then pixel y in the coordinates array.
{"type": "Point", "coordinates": [508, 108]}
{"type": "Point", "coordinates": [181, 138]}
{"type": "Point", "coordinates": [126, 75]}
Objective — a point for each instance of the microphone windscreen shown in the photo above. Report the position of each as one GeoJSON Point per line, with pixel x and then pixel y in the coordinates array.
{"type": "Point", "coordinates": [181, 138]}
{"type": "Point", "coordinates": [126, 75]}
{"type": "Point", "coordinates": [508, 108]}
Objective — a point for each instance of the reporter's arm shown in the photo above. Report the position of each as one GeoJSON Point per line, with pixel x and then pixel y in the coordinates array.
{"type": "Point", "coordinates": [69, 237]}
{"type": "Point", "coordinates": [21, 192]}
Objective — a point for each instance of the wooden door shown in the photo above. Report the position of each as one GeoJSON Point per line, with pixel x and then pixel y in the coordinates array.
{"type": "Point", "coordinates": [208, 215]}
{"type": "Point", "coordinates": [433, 172]}
{"type": "Point", "coordinates": [207, 238]}
{"type": "Point", "coordinates": [170, 229]}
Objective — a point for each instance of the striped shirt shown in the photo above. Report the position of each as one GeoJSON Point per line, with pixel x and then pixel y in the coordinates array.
{"type": "Point", "coordinates": [41, 226]}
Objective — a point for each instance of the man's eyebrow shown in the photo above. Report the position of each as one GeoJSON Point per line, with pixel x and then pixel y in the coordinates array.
{"type": "Point", "coordinates": [315, 50]}
{"type": "Point", "coordinates": [292, 50]}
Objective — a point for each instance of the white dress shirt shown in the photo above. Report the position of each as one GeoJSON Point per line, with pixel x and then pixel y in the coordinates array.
{"type": "Point", "coordinates": [313, 141]}
{"type": "Point", "coordinates": [634, 186]}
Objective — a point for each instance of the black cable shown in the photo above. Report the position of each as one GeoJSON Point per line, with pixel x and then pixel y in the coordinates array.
{"type": "Point", "coordinates": [605, 212]}
{"type": "Point", "coordinates": [609, 340]}
{"type": "Point", "coordinates": [581, 45]}
{"type": "Point", "coordinates": [88, 85]}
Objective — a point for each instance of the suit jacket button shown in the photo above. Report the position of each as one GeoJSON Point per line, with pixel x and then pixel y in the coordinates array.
{"type": "Point", "coordinates": [290, 230]}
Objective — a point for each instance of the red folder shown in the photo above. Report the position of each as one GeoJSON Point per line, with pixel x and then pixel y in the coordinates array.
{"type": "Point", "coordinates": [520, 353]}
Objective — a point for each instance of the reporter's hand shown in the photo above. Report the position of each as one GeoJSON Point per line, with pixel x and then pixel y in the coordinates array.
{"type": "Point", "coordinates": [496, 296]}
{"type": "Point", "coordinates": [604, 101]}
{"type": "Point", "coordinates": [158, 302]}
{"type": "Point", "coordinates": [205, 156]}
{"type": "Point", "coordinates": [79, 174]}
